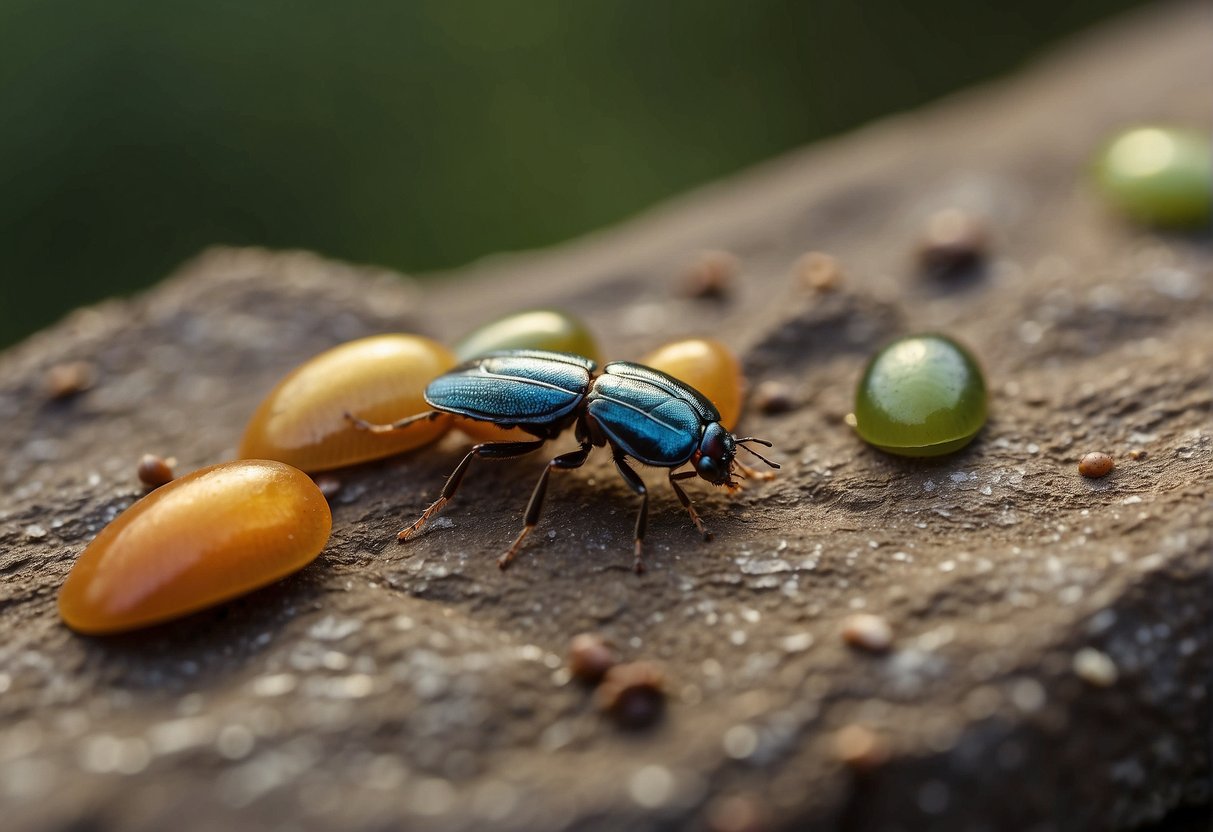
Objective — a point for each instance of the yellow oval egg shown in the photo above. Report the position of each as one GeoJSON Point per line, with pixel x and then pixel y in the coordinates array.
{"type": "Point", "coordinates": [708, 366]}
{"type": "Point", "coordinates": [534, 329]}
{"type": "Point", "coordinates": [199, 540]}
{"type": "Point", "coordinates": [380, 379]}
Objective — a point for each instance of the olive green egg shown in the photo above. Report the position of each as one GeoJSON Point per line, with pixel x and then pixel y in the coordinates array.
{"type": "Point", "coordinates": [534, 329]}
{"type": "Point", "coordinates": [1159, 175]}
{"type": "Point", "coordinates": [922, 395]}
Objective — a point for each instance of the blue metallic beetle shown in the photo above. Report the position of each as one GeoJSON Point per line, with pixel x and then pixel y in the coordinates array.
{"type": "Point", "coordinates": [639, 412]}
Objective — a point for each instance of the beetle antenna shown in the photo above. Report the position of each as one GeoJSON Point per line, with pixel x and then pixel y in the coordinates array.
{"type": "Point", "coordinates": [755, 453]}
{"type": "Point", "coordinates": [762, 442]}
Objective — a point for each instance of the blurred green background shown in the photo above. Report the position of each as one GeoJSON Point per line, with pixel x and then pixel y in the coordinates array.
{"type": "Point", "coordinates": [421, 135]}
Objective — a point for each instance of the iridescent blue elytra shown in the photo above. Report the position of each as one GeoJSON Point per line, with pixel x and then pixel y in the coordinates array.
{"type": "Point", "coordinates": [530, 389]}
{"type": "Point", "coordinates": [638, 412]}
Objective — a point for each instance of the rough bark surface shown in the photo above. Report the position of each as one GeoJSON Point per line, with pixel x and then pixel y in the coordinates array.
{"type": "Point", "coordinates": [419, 687]}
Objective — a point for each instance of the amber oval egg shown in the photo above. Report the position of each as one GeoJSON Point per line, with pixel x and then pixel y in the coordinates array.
{"type": "Point", "coordinates": [202, 539]}
{"type": "Point", "coordinates": [381, 379]}
{"type": "Point", "coordinates": [534, 329]}
{"type": "Point", "coordinates": [708, 366]}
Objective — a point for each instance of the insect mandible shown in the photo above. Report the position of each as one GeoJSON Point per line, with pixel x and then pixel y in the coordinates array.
{"type": "Point", "coordinates": [640, 413]}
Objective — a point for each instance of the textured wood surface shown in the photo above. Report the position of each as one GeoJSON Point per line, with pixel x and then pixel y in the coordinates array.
{"type": "Point", "coordinates": [391, 687]}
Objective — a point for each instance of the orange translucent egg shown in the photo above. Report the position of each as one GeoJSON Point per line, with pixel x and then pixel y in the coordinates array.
{"type": "Point", "coordinates": [202, 539]}
{"type": "Point", "coordinates": [380, 379]}
{"type": "Point", "coordinates": [488, 432]}
{"type": "Point", "coordinates": [708, 366]}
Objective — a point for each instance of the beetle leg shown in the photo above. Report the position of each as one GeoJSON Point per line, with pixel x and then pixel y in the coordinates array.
{"type": "Point", "coordinates": [686, 501]}
{"type": "Point", "coordinates": [573, 459]}
{"type": "Point", "coordinates": [754, 473]}
{"type": "Point", "coordinates": [485, 450]}
{"type": "Point", "coordinates": [642, 519]}
{"type": "Point", "coordinates": [401, 424]}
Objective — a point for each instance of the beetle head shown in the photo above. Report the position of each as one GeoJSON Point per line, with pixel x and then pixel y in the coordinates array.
{"type": "Point", "coordinates": [714, 460]}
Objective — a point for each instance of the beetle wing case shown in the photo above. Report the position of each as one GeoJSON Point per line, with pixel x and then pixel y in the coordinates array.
{"type": "Point", "coordinates": [519, 387]}
{"type": "Point", "coordinates": [648, 415]}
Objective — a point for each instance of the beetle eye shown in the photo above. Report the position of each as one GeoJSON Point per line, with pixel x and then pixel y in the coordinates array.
{"type": "Point", "coordinates": [716, 451]}
{"type": "Point", "coordinates": [709, 469]}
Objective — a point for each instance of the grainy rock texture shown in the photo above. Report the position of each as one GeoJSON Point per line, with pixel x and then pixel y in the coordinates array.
{"type": "Point", "coordinates": [1051, 634]}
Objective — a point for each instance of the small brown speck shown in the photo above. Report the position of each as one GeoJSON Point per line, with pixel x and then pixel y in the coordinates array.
{"type": "Point", "coordinates": [860, 748]}
{"type": "Point", "coordinates": [952, 243]}
{"type": "Point", "coordinates": [328, 485]}
{"type": "Point", "coordinates": [155, 471]}
{"type": "Point", "coordinates": [1137, 454]}
{"type": "Point", "coordinates": [1096, 464]}
{"type": "Point", "coordinates": [772, 397]}
{"type": "Point", "coordinates": [867, 632]}
{"type": "Point", "coordinates": [590, 657]}
{"type": "Point", "coordinates": [69, 378]}
{"type": "Point", "coordinates": [737, 813]}
{"type": "Point", "coordinates": [710, 275]}
{"type": "Point", "coordinates": [818, 272]}
{"type": "Point", "coordinates": [633, 694]}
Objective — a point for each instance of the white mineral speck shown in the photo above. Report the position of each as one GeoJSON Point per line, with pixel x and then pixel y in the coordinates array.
{"type": "Point", "coordinates": [176, 735]}
{"type": "Point", "coordinates": [99, 754]}
{"type": "Point", "coordinates": [750, 566]}
{"type": "Point", "coordinates": [354, 686]}
{"type": "Point", "coordinates": [1070, 594]}
{"type": "Point", "coordinates": [530, 653]}
{"type": "Point", "coordinates": [35, 532]}
{"type": "Point", "coordinates": [235, 742]}
{"type": "Point", "coordinates": [740, 742]}
{"type": "Point", "coordinates": [1030, 332]}
{"type": "Point", "coordinates": [1095, 668]}
{"type": "Point", "coordinates": [1028, 695]}
{"type": "Point", "coordinates": [797, 643]}
{"type": "Point", "coordinates": [334, 660]}
{"type": "Point", "coordinates": [1101, 621]}
{"type": "Point", "coordinates": [277, 684]}
{"type": "Point", "coordinates": [1177, 284]}
{"type": "Point", "coordinates": [651, 786]}
{"type": "Point", "coordinates": [333, 628]}
{"type": "Point", "coordinates": [133, 756]}
{"type": "Point", "coordinates": [867, 632]}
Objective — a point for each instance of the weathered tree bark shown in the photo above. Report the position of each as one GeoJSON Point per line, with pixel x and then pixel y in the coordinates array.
{"type": "Point", "coordinates": [417, 687]}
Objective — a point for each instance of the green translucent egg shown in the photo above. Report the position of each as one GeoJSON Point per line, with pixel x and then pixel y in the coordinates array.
{"type": "Point", "coordinates": [921, 396]}
{"type": "Point", "coordinates": [1160, 175]}
{"type": "Point", "coordinates": [535, 329]}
